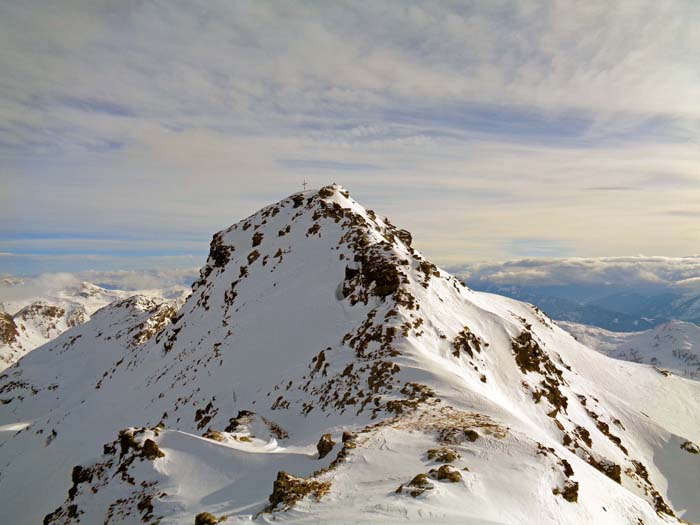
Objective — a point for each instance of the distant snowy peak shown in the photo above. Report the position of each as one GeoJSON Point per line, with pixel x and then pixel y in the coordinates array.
{"type": "Point", "coordinates": [33, 326]}
{"type": "Point", "coordinates": [672, 346]}
{"type": "Point", "coordinates": [42, 320]}
{"type": "Point", "coordinates": [45, 317]}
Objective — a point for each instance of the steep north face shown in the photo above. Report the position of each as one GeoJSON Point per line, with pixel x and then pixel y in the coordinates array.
{"type": "Point", "coordinates": [323, 370]}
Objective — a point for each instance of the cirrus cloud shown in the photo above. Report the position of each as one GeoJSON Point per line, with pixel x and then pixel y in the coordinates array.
{"type": "Point", "coordinates": [476, 124]}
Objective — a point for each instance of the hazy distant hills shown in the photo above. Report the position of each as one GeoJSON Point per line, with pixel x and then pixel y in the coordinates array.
{"type": "Point", "coordinates": [672, 347]}
{"type": "Point", "coordinates": [620, 311]}
{"type": "Point", "coordinates": [656, 307]}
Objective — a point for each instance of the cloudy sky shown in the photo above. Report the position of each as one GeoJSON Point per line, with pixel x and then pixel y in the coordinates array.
{"type": "Point", "coordinates": [131, 130]}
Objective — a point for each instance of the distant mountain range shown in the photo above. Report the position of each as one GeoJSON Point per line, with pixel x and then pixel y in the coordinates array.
{"type": "Point", "coordinates": [31, 322]}
{"type": "Point", "coordinates": [672, 347]}
{"type": "Point", "coordinates": [620, 311]}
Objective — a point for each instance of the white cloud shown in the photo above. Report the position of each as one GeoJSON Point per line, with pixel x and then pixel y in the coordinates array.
{"type": "Point", "coordinates": [187, 63]}
{"type": "Point", "coordinates": [41, 286]}
{"type": "Point", "coordinates": [13, 289]}
{"type": "Point", "coordinates": [682, 273]}
{"type": "Point", "coordinates": [483, 121]}
{"type": "Point", "coordinates": [141, 279]}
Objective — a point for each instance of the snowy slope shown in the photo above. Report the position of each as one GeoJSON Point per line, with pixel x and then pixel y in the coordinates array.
{"type": "Point", "coordinates": [672, 346]}
{"type": "Point", "coordinates": [35, 325]}
{"type": "Point", "coordinates": [317, 330]}
{"type": "Point", "coordinates": [38, 320]}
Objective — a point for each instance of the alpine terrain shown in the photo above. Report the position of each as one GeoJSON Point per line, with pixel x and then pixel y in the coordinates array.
{"type": "Point", "coordinates": [671, 347]}
{"type": "Point", "coordinates": [322, 370]}
{"type": "Point", "coordinates": [41, 319]}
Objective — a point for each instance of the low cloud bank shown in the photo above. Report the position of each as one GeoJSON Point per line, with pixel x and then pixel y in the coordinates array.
{"type": "Point", "coordinates": [48, 284]}
{"type": "Point", "coordinates": [679, 273]}
{"type": "Point", "coordinates": [142, 279]}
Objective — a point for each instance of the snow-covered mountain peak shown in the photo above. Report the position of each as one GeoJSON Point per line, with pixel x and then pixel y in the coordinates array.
{"type": "Point", "coordinates": [323, 370]}
{"type": "Point", "coordinates": [672, 347]}
{"type": "Point", "coordinates": [312, 258]}
{"type": "Point", "coordinates": [36, 320]}
{"type": "Point", "coordinates": [86, 289]}
{"type": "Point", "coordinates": [322, 221]}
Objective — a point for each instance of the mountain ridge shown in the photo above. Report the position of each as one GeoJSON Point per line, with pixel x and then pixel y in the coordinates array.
{"type": "Point", "coordinates": [38, 320]}
{"type": "Point", "coordinates": [673, 347]}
